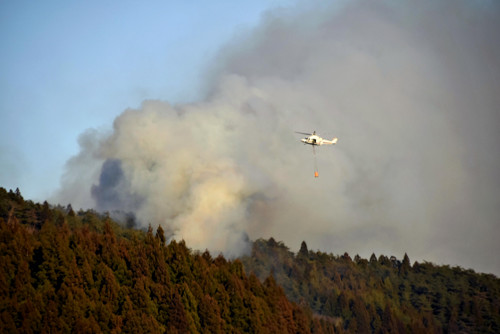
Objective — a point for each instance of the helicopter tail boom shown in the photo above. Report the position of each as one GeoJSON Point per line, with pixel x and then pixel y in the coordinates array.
{"type": "Point", "coordinates": [331, 142]}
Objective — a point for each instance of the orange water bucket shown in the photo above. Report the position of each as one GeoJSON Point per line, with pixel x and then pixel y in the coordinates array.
{"type": "Point", "coordinates": [316, 174]}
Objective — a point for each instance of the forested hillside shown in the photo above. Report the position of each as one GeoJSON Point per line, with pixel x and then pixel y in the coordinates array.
{"type": "Point", "coordinates": [382, 294]}
{"type": "Point", "coordinates": [65, 272]}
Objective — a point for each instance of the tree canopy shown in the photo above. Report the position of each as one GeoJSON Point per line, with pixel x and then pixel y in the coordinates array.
{"type": "Point", "coordinates": [381, 295]}
{"type": "Point", "coordinates": [67, 271]}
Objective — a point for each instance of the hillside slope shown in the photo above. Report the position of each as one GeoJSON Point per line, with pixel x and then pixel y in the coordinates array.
{"type": "Point", "coordinates": [62, 271]}
{"type": "Point", "coordinates": [384, 294]}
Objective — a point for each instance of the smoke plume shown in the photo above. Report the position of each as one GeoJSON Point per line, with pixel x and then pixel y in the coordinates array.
{"type": "Point", "coordinates": [411, 90]}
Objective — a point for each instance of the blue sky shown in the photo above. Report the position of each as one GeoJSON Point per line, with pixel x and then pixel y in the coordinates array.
{"type": "Point", "coordinates": [68, 66]}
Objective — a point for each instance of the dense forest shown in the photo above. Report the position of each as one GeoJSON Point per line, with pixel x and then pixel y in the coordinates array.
{"type": "Point", "coordinates": [382, 294]}
{"type": "Point", "coordinates": [63, 271]}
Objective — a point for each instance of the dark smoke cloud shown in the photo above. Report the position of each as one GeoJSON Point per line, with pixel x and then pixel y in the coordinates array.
{"type": "Point", "coordinates": [411, 90]}
{"type": "Point", "coordinates": [113, 191]}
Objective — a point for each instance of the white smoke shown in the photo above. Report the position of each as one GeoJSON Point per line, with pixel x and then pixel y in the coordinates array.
{"type": "Point", "coordinates": [410, 89]}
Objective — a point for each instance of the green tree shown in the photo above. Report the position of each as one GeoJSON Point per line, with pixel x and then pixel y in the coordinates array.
{"type": "Point", "coordinates": [303, 250]}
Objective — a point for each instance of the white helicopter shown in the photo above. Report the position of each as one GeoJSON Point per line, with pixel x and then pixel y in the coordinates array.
{"type": "Point", "coordinates": [315, 140]}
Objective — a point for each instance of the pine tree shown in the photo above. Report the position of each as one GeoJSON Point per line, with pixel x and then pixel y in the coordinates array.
{"type": "Point", "coordinates": [303, 250]}
{"type": "Point", "coordinates": [405, 266]}
{"type": "Point", "coordinates": [177, 322]}
{"type": "Point", "coordinates": [209, 313]}
{"type": "Point", "coordinates": [160, 235]}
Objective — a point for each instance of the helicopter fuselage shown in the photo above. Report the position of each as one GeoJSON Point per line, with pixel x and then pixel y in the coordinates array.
{"type": "Point", "coordinates": [312, 140]}
{"type": "Point", "coordinates": [318, 141]}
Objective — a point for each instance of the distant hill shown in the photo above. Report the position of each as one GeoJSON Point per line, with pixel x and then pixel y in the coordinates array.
{"type": "Point", "coordinates": [67, 271]}
{"type": "Point", "coordinates": [381, 295]}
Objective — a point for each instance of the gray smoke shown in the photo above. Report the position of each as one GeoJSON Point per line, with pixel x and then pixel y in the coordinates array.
{"type": "Point", "coordinates": [112, 192]}
{"type": "Point", "coordinates": [411, 89]}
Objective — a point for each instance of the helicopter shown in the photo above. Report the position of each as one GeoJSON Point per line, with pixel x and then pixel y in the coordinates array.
{"type": "Point", "coordinates": [315, 140]}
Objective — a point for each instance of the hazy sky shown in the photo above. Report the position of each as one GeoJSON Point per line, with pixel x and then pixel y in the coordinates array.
{"type": "Point", "coordinates": [185, 115]}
